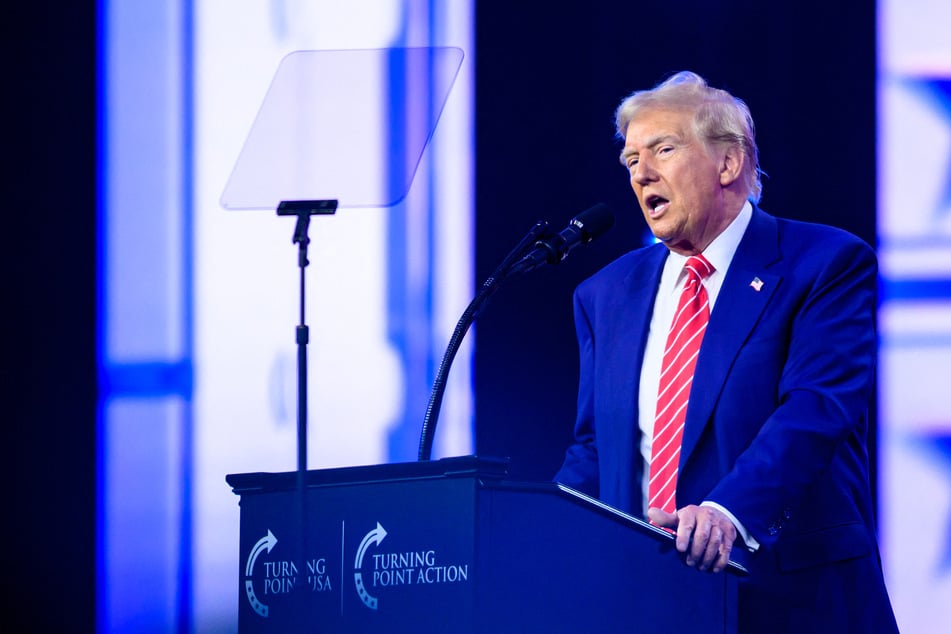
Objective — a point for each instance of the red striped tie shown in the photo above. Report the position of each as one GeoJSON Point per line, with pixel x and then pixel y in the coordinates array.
{"type": "Point", "coordinates": [676, 375]}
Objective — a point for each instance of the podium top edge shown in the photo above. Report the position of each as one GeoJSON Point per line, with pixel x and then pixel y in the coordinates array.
{"type": "Point", "coordinates": [455, 467]}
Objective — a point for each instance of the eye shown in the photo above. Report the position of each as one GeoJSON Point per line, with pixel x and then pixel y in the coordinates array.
{"type": "Point", "coordinates": [665, 149]}
{"type": "Point", "coordinates": [631, 162]}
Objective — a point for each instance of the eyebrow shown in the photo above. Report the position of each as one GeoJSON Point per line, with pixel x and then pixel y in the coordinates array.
{"type": "Point", "coordinates": [653, 141]}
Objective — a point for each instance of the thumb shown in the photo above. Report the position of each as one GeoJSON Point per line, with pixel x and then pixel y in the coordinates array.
{"type": "Point", "coordinates": [661, 518]}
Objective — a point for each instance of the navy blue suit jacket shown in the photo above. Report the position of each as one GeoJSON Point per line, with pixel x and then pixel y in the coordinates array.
{"type": "Point", "coordinates": [777, 421]}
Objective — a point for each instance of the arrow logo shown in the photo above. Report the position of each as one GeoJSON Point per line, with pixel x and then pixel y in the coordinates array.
{"type": "Point", "coordinates": [373, 537]}
{"type": "Point", "coordinates": [268, 542]}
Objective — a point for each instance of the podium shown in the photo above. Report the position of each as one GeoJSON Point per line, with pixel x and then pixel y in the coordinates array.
{"type": "Point", "coordinates": [453, 546]}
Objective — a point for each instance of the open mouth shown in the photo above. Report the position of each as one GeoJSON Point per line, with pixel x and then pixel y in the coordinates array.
{"type": "Point", "coordinates": [656, 204]}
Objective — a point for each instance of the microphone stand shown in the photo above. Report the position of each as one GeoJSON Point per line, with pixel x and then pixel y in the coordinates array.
{"type": "Point", "coordinates": [538, 231]}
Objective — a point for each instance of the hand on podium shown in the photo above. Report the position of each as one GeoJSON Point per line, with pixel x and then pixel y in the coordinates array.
{"type": "Point", "coordinates": [704, 534]}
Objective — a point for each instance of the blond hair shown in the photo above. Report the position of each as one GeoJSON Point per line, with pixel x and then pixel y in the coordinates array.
{"type": "Point", "coordinates": [719, 118]}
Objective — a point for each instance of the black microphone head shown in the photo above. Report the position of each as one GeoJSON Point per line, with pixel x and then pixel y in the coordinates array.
{"type": "Point", "coordinates": [594, 222]}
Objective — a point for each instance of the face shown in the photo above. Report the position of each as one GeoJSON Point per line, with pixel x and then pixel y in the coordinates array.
{"type": "Point", "coordinates": [682, 185]}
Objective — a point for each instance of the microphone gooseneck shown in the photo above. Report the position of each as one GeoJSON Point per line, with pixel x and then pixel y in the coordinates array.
{"type": "Point", "coordinates": [545, 248]}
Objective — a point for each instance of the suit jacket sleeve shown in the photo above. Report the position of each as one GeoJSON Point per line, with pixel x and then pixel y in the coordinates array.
{"type": "Point", "coordinates": [580, 467]}
{"type": "Point", "coordinates": [805, 463]}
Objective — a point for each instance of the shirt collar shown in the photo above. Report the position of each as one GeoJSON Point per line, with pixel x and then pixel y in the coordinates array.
{"type": "Point", "coordinates": [719, 253]}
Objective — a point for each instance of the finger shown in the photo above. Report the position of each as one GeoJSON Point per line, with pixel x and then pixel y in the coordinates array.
{"type": "Point", "coordinates": [700, 539]}
{"type": "Point", "coordinates": [711, 553]}
{"type": "Point", "coordinates": [726, 547]}
{"type": "Point", "coordinates": [723, 557]}
{"type": "Point", "coordinates": [661, 518]}
{"type": "Point", "coordinates": [686, 531]}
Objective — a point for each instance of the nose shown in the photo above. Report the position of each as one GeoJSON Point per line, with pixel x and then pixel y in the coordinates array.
{"type": "Point", "coordinates": [642, 173]}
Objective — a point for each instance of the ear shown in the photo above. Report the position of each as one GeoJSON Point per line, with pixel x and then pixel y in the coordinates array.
{"type": "Point", "coordinates": [731, 165]}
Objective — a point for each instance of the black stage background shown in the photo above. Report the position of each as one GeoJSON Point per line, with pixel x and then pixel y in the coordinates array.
{"type": "Point", "coordinates": [49, 361]}
{"type": "Point", "coordinates": [548, 79]}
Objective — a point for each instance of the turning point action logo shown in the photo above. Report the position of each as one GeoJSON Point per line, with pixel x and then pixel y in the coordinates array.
{"type": "Point", "coordinates": [418, 567]}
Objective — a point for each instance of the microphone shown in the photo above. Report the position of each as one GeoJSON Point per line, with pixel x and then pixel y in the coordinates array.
{"type": "Point", "coordinates": [582, 229]}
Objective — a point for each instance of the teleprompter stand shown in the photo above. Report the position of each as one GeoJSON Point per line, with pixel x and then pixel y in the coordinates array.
{"type": "Point", "coordinates": [303, 209]}
{"type": "Point", "coordinates": [316, 144]}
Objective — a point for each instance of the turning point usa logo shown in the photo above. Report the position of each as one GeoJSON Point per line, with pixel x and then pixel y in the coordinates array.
{"type": "Point", "coordinates": [280, 576]}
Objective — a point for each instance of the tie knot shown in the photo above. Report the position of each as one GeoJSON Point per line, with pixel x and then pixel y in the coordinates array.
{"type": "Point", "coordinates": [698, 267]}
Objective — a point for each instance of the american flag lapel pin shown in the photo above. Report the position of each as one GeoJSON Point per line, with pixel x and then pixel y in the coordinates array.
{"type": "Point", "coordinates": [757, 284]}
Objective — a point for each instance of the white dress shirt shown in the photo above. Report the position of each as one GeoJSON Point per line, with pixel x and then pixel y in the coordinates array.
{"type": "Point", "coordinates": [720, 254]}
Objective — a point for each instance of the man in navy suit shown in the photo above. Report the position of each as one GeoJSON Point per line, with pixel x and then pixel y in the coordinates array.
{"type": "Point", "coordinates": [773, 466]}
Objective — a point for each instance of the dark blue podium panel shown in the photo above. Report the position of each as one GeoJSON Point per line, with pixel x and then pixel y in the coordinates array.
{"type": "Point", "coordinates": [451, 546]}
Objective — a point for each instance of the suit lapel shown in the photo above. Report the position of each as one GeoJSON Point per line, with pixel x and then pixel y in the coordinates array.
{"type": "Point", "coordinates": [633, 310]}
{"type": "Point", "coordinates": [744, 295]}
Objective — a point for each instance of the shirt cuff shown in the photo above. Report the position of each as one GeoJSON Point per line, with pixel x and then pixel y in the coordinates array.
{"type": "Point", "coordinates": [751, 544]}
